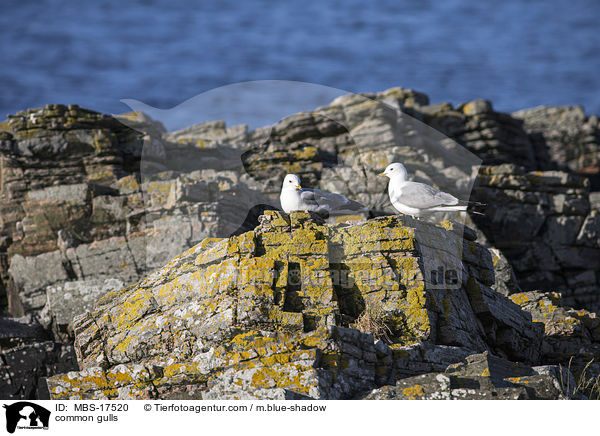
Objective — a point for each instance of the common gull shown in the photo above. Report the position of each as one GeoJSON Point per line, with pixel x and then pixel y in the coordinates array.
{"type": "Point", "coordinates": [413, 198]}
{"type": "Point", "coordinates": [295, 197]}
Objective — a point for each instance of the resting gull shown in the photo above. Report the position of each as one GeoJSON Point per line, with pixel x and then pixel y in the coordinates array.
{"type": "Point", "coordinates": [294, 197]}
{"type": "Point", "coordinates": [413, 198]}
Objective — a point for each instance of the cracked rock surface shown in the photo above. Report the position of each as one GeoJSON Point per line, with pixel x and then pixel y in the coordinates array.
{"type": "Point", "coordinates": [96, 211]}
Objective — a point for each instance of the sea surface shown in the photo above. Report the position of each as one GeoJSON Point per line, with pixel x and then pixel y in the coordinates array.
{"type": "Point", "coordinates": [517, 54]}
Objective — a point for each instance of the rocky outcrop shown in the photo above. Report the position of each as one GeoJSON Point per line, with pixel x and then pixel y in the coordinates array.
{"type": "Point", "coordinates": [29, 355]}
{"type": "Point", "coordinates": [92, 204]}
{"type": "Point", "coordinates": [569, 138]}
{"type": "Point", "coordinates": [342, 147]}
{"type": "Point", "coordinates": [495, 137]}
{"type": "Point", "coordinates": [266, 314]}
{"type": "Point", "coordinates": [79, 220]}
{"type": "Point", "coordinates": [571, 337]}
{"type": "Point", "coordinates": [542, 138]}
{"type": "Point", "coordinates": [53, 160]}
{"type": "Point", "coordinates": [75, 207]}
{"type": "Point", "coordinates": [484, 377]}
{"type": "Point", "coordinates": [542, 222]}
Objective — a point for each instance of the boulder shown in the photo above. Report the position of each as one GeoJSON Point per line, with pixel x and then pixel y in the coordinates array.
{"type": "Point", "coordinates": [276, 312]}
{"type": "Point", "coordinates": [27, 356]}
{"type": "Point", "coordinates": [484, 377]}
{"type": "Point", "coordinates": [568, 137]}
{"type": "Point", "coordinates": [542, 223]}
{"type": "Point", "coordinates": [571, 337]}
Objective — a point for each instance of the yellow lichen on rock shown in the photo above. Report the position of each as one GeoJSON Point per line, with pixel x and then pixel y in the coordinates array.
{"type": "Point", "coordinates": [413, 392]}
{"type": "Point", "coordinates": [268, 310]}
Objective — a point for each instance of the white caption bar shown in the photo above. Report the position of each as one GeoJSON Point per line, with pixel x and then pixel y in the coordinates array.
{"type": "Point", "coordinates": [295, 417]}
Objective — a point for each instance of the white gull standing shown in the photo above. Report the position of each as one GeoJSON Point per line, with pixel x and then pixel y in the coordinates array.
{"type": "Point", "coordinates": [295, 197]}
{"type": "Point", "coordinates": [413, 198]}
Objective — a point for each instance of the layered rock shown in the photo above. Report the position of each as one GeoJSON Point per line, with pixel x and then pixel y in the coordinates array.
{"type": "Point", "coordinates": [542, 222]}
{"type": "Point", "coordinates": [541, 138]}
{"type": "Point", "coordinates": [571, 337]}
{"type": "Point", "coordinates": [75, 207]}
{"type": "Point", "coordinates": [79, 220]}
{"type": "Point", "coordinates": [493, 136]}
{"type": "Point", "coordinates": [91, 204]}
{"type": "Point", "coordinates": [342, 147]}
{"type": "Point", "coordinates": [484, 377]}
{"type": "Point", "coordinates": [28, 356]}
{"type": "Point", "coordinates": [569, 138]}
{"type": "Point", "coordinates": [266, 315]}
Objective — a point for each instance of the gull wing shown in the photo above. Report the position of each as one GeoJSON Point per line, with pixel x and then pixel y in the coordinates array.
{"type": "Point", "coordinates": [421, 196]}
{"type": "Point", "coordinates": [327, 200]}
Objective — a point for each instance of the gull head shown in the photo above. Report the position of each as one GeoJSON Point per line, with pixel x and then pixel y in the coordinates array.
{"type": "Point", "coordinates": [291, 181]}
{"type": "Point", "coordinates": [395, 170]}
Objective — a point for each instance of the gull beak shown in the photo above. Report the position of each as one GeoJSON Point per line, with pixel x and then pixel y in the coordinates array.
{"type": "Point", "coordinates": [381, 174]}
{"type": "Point", "coordinates": [298, 187]}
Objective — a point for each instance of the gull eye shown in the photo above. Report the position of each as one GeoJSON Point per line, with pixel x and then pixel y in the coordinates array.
{"type": "Point", "coordinates": [391, 169]}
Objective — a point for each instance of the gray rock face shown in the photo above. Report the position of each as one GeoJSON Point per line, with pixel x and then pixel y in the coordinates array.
{"type": "Point", "coordinates": [566, 135]}
{"type": "Point", "coordinates": [265, 313]}
{"type": "Point", "coordinates": [484, 377]}
{"type": "Point", "coordinates": [506, 281]}
{"type": "Point", "coordinates": [70, 299]}
{"type": "Point", "coordinates": [571, 337]}
{"type": "Point", "coordinates": [31, 275]}
{"type": "Point", "coordinates": [493, 136]}
{"type": "Point", "coordinates": [542, 222]}
{"type": "Point", "coordinates": [89, 199]}
{"type": "Point", "coordinates": [27, 356]}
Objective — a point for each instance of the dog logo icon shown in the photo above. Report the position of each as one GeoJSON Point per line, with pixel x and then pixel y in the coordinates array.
{"type": "Point", "coordinates": [26, 415]}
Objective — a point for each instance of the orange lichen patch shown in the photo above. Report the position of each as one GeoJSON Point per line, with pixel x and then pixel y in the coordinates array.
{"type": "Point", "coordinates": [210, 250]}
{"type": "Point", "coordinates": [348, 218]}
{"type": "Point", "coordinates": [129, 183]}
{"type": "Point", "coordinates": [137, 305]}
{"type": "Point", "coordinates": [251, 337]}
{"type": "Point", "coordinates": [312, 341]}
{"type": "Point", "coordinates": [447, 224]}
{"type": "Point", "coordinates": [266, 377]}
{"type": "Point", "coordinates": [413, 392]}
{"type": "Point", "coordinates": [256, 271]}
{"type": "Point", "coordinates": [521, 299]}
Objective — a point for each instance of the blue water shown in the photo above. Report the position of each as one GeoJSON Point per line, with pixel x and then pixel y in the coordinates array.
{"type": "Point", "coordinates": [517, 54]}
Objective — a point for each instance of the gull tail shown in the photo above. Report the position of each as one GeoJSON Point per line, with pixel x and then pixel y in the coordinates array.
{"type": "Point", "coordinates": [447, 208]}
{"type": "Point", "coordinates": [471, 204]}
{"type": "Point", "coordinates": [462, 208]}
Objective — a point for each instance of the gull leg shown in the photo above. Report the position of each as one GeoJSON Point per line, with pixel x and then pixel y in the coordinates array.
{"type": "Point", "coordinates": [409, 220]}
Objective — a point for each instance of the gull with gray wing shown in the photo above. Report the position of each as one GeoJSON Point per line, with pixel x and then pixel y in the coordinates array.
{"type": "Point", "coordinates": [294, 197]}
{"type": "Point", "coordinates": [413, 198]}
